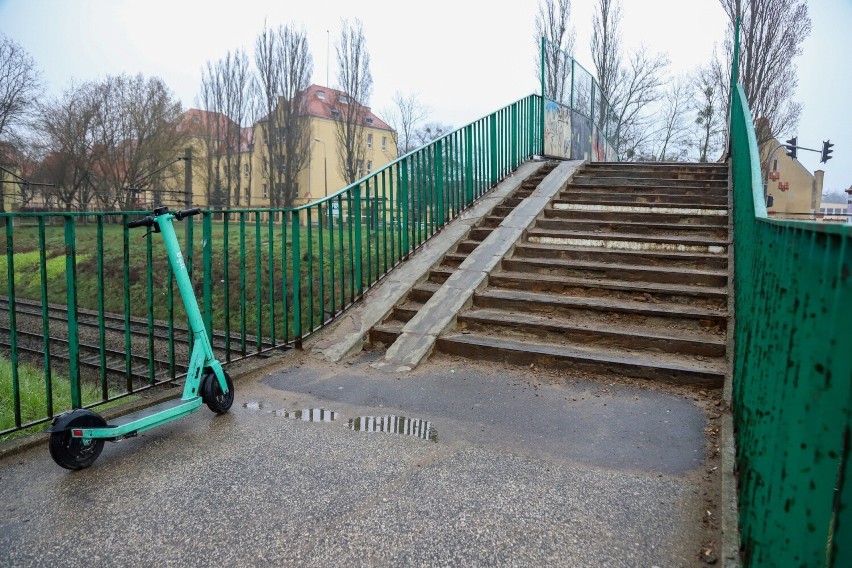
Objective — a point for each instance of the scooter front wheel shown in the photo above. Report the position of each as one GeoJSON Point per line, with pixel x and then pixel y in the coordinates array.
{"type": "Point", "coordinates": [76, 453]}
{"type": "Point", "coordinates": [212, 395]}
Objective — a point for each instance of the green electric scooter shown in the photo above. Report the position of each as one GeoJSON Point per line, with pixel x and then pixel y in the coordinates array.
{"type": "Point", "coordinates": [77, 437]}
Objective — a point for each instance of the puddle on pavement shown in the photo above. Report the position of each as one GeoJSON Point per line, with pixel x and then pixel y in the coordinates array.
{"type": "Point", "coordinates": [309, 414]}
{"type": "Point", "coordinates": [416, 427]}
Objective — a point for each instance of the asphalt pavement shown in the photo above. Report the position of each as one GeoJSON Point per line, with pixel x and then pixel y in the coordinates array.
{"type": "Point", "coordinates": [450, 464]}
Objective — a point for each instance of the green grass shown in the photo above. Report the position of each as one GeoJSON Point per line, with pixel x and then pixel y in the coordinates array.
{"type": "Point", "coordinates": [28, 273]}
{"type": "Point", "coordinates": [33, 397]}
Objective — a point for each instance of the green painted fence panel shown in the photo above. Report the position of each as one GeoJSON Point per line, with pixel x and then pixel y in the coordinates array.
{"type": "Point", "coordinates": [792, 383]}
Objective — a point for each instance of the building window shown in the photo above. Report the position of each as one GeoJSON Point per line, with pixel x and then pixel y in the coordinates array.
{"type": "Point", "coordinates": [369, 140]}
{"type": "Point", "coordinates": [361, 167]}
{"type": "Point", "coordinates": [246, 170]}
{"type": "Point", "coordinates": [822, 209]}
{"type": "Point", "coordinates": [263, 191]}
{"type": "Point", "coordinates": [369, 166]}
{"type": "Point", "coordinates": [248, 195]}
{"type": "Point", "coordinates": [335, 113]}
{"type": "Point", "coordinates": [369, 120]}
{"type": "Point", "coordinates": [384, 143]}
{"type": "Point", "coordinates": [775, 165]}
{"type": "Point", "coordinates": [343, 99]}
{"type": "Point", "coordinates": [321, 95]}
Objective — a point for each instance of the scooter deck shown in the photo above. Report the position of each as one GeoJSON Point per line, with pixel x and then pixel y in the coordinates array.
{"type": "Point", "coordinates": [132, 424]}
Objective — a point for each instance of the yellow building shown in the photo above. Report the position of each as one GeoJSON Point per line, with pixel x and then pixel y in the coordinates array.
{"type": "Point", "coordinates": [792, 191]}
{"type": "Point", "coordinates": [324, 162]}
{"type": "Point", "coordinates": [320, 176]}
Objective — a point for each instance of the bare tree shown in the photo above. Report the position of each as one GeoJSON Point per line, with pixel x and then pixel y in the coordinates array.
{"type": "Point", "coordinates": [404, 118]}
{"type": "Point", "coordinates": [633, 90]}
{"type": "Point", "coordinates": [20, 84]}
{"type": "Point", "coordinates": [552, 23]}
{"type": "Point", "coordinates": [356, 84]}
{"type": "Point", "coordinates": [67, 127]}
{"type": "Point", "coordinates": [430, 132]}
{"type": "Point", "coordinates": [709, 112]}
{"type": "Point", "coordinates": [136, 136]}
{"type": "Point", "coordinates": [673, 137]}
{"type": "Point", "coordinates": [225, 96]}
{"type": "Point", "coordinates": [771, 36]}
{"type": "Point", "coordinates": [284, 65]}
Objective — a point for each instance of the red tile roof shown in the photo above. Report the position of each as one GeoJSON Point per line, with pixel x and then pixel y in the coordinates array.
{"type": "Point", "coordinates": [321, 107]}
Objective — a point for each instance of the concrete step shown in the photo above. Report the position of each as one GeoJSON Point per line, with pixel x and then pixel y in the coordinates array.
{"type": "Point", "coordinates": [636, 228]}
{"type": "Point", "coordinates": [573, 195]}
{"type": "Point", "coordinates": [658, 169]}
{"type": "Point", "coordinates": [660, 259]}
{"type": "Point", "coordinates": [558, 331]}
{"type": "Point", "coordinates": [620, 272]}
{"type": "Point", "coordinates": [423, 291]}
{"type": "Point", "coordinates": [439, 274]}
{"type": "Point", "coordinates": [606, 311]}
{"type": "Point", "coordinates": [602, 202]}
{"type": "Point", "coordinates": [626, 240]}
{"type": "Point", "coordinates": [707, 373]}
{"type": "Point", "coordinates": [385, 333]}
{"type": "Point", "coordinates": [682, 189]}
{"type": "Point", "coordinates": [467, 246]}
{"type": "Point", "coordinates": [636, 217]}
{"type": "Point", "coordinates": [643, 183]}
{"type": "Point", "coordinates": [701, 296]}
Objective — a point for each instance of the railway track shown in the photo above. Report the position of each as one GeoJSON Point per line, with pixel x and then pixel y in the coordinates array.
{"type": "Point", "coordinates": [148, 344]}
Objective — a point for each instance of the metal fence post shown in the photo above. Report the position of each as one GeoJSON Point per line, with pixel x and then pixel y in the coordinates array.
{"type": "Point", "coordinates": [404, 206]}
{"type": "Point", "coordinates": [71, 290]}
{"type": "Point", "coordinates": [359, 253]}
{"type": "Point", "coordinates": [439, 181]}
{"type": "Point", "coordinates": [297, 281]}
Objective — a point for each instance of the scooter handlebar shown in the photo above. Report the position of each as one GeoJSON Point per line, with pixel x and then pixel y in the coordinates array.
{"type": "Point", "coordinates": [186, 213]}
{"type": "Point", "coordinates": [144, 222]}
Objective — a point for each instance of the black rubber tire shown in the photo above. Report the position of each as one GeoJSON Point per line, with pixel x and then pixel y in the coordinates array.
{"type": "Point", "coordinates": [212, 395]}
{"type": "Point", "coordinates": [72, 453]}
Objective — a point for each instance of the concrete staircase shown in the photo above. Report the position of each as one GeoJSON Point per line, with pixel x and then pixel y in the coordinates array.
{"type": "Point", "coordinates": [389, 330]}
{"type": "Point", "coordinates": [626, 272]}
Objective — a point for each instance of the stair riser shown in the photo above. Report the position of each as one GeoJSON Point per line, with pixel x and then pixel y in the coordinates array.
{"type": "Point", "coordinates": [523, 251]}
{"type": "Point", "coordinates": [638, 229]}
{"type": "Point", "coordinates": [382, 336]}
{"type": "Point", "coordinates": [604, 314]}
{"type": "Point", "coordinates": [668, 173]}
{"type": "Point", "coordinates": [617, 217]}
{"type": "Point", "coordinates": [568, 289]}
{"type": "Point", "coordinates": [641, 199]}
{"type": "Point", "coordinates": [591, 337]}
{"type": "Point", "coordinates": [667, 190]}
{"type": "Point", "coordinates": [420, 295]}
{"type": "Point", "coordinates": [658, 243]}
{"type": "Point", "coordinates": [629, 275]}
{"type": "Point", "coordinates": [639, 183]}
{"type": "Point", "coordinates": [525, 359]}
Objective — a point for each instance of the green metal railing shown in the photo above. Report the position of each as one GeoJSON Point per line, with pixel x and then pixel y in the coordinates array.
{"type": "Point", "coordinates": [89, 322]}
{"type": "Point", "coordinates": [792, 382]}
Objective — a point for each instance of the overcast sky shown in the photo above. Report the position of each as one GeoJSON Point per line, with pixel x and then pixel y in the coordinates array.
{"type": "Point", "coordinates": [464, 58]}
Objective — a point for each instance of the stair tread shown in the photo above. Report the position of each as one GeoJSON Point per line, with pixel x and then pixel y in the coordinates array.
{"type": "Point", "coordinates": [662, 254]}
{"type": "Point", "coordinates": [672, 362]}
{"type": "Point", "coordinates": [664, 309]}
{"type": "Point", "coordinates": [536, 231]}
{"type": "Point", "coordinates": [559, 324]}
{"type": "Point", "coordinates": [563, 263]}
{"type": "Point", "coordinates": [567, 199]}
{"type": "Point", "coordinates": [618, 284]}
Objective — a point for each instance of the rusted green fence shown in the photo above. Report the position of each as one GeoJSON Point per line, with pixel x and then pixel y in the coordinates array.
{"type": "Point", "coordinates": [792, 390]}
{"type": "Point", "coordinates": [84, 320]}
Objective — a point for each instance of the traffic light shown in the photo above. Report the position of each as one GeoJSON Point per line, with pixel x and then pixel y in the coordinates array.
{"type": "Point", "coordinates": [791, 146]}
{"type": "Point", "coordinates": [826, 151]}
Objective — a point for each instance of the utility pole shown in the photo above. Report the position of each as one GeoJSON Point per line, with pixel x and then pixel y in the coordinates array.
{"type": "Point", "coordinates": [187, 186]}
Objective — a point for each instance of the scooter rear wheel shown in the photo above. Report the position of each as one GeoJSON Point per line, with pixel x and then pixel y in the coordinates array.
{"type": "Point", "coordinates": [212, 395]}
{"type": "Point", "coordinates": [76, 453]}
